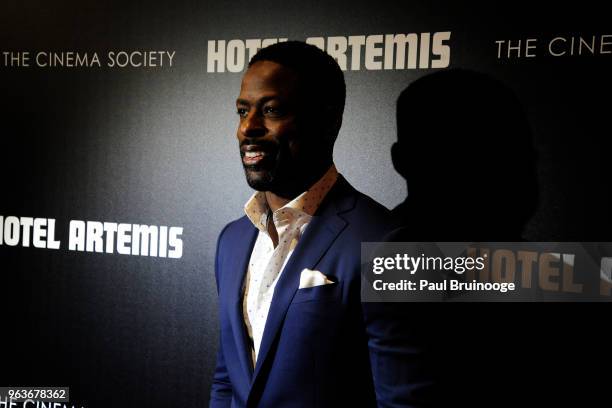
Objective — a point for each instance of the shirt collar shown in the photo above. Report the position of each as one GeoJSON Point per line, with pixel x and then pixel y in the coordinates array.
{"type": "Point", "coordinates": [256, 208]}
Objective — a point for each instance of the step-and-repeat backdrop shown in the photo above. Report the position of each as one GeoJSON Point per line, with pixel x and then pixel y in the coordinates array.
{"type": "Point", "coordinates": [120, 165]}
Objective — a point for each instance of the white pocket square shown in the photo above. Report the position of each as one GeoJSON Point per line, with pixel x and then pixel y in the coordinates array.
{"type": "Point", "coordinates": [310, 279]}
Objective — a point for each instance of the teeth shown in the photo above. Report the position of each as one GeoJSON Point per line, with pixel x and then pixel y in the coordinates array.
{"type": "Point", "coordinates": [252, 154]}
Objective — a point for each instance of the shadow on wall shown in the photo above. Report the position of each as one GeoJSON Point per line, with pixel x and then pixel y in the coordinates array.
{"type": "Point", "coordinates": [465, 149]}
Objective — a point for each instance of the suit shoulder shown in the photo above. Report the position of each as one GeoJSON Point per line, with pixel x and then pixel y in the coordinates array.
{"type": "Point", "coordinates": [230, 235]}
{"type": "Point", "coordinates": [367, 203]}
{"type": "Point", "coordinates": [373, 217]}
{"type": "Point", "coordinates": [234, 228]}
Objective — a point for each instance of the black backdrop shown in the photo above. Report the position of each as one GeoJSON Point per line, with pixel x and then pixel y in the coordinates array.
{"type": "Point", "coordinates": [155, 146]}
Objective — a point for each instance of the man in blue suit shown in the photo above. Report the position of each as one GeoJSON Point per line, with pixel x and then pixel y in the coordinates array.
{"type": "Point", "coordinates": [294, 332]}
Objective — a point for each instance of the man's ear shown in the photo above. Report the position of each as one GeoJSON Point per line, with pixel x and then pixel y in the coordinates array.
{"type": "Point", "coordinates": [336, 124]}
{"type": "Point", "coordinates": [333, 122]}
{"type": "Point", "coordinates": [398, 159]}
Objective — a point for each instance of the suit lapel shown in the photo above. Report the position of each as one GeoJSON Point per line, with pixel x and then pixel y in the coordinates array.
{"type": "Point", "coordinates": [237, 269]}
{"type": "Point", "coordinates": [318, 237]}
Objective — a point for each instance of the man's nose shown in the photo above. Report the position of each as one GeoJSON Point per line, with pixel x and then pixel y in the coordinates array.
{"type": "Point", "coordinates": [252, 125]}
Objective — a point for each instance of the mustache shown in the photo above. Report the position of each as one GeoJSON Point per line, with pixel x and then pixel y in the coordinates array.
{"type": "Point", "coordinates": [266, 144]}
{"type": "Point", "coordinates": [254, 144]}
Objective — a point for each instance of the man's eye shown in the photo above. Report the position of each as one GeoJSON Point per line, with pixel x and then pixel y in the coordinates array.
{"type": "Point", "coordinates": [271, 110]}
{"type": "Point", "coordinates": [242, 112]}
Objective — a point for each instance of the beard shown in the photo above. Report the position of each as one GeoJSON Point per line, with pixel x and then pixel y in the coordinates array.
{"type": "Point", "coordinates": [280, 171]}
{"type": "Point", "coordinates": [264, 175]}
{"type": "Point", "coordinates": [260, 179]}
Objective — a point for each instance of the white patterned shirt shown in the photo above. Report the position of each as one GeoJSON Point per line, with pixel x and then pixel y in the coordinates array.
{"type": "Point", "coordinates": [267, 262]}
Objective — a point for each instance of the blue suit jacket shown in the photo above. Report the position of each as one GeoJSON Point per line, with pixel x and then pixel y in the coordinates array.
{"type": "Point", "coordinates": [321, 346]}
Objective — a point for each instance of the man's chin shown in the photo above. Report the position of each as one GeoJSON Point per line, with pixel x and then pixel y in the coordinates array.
{"type": "Point", "coordinates": [260, 180]}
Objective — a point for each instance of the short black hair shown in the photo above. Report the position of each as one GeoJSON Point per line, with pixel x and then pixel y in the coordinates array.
{"type": "Point", "coordinates": [320, 74]}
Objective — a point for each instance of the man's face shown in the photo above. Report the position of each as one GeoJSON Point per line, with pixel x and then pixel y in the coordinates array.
{"type": "Point", "coordinates": [274, 145]}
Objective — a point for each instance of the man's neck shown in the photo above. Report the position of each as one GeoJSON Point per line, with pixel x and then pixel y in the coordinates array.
{"type": "Point", "coordinates": [280, 198]}
{"type": "Point", "coordinates": [275, 201]}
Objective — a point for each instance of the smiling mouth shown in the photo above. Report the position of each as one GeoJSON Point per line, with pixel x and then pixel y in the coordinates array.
{"type": "Point", "coordinates": [252, 158]}
{"type": "Point", "coordinates": [257, 156]}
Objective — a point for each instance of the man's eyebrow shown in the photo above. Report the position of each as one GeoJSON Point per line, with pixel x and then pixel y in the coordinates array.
{"type": "Point", "coordinates": [260, 101]}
